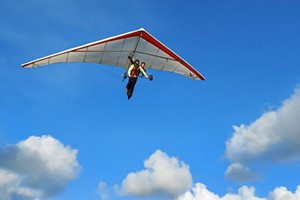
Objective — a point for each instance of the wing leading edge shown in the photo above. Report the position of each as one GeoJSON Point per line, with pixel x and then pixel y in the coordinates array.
{"type": "Point", "coordinates": [115, 51]}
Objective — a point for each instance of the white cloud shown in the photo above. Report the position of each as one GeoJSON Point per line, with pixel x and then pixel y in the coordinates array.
{"type": "Point", "coordinates": [244, 193]}
{"type": "Point", "coordinates": [239, 172]}
{"type": "Point", "coordinates": [36, 168]}
{"type": "Point", "coordinates": [275, 136]}
{"type": "Point", "coordinates": [103, 191]}
{"type": "Point", "coordinates": [200, 192]}
{"type": "Point", "coordinates": [11, 187]}
{"type": "Point", "coordinates": [164, 176]}
{"type": "Point", "coordinates": [281, 193]}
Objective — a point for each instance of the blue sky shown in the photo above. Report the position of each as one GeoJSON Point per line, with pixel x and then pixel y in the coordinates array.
{"type": "Point", "coordinates": [235, 131]}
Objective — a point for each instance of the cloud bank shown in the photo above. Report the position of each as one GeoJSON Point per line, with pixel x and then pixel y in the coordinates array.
{"type": "Point", "coordinates": [162, 172]}
{"type": "Point", "coordinates": [36, 168]}
{"type": "Point", "coordinates": [163, 176]}
{"type": "Point", "coordinates": [200, 192]}
{"type": "Point", "coordinates": [274, 136]}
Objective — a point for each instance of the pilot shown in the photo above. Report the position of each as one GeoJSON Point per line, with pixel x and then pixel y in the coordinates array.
{"type": "Point", "coordinates": [133, 73]}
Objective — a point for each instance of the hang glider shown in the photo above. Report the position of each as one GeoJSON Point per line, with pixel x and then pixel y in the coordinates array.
{"type": "Point", "coordinates": [115, 51]}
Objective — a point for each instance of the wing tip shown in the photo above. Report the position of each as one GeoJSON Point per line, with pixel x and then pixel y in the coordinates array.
{"type": "Point", "coordinates": [199, 77]}
{"type": "Point", "coordinates": [27, 65]}
{"type": "Point", "coordinates": [202, 78]}
{"type": "Point", "coordinates": [24, 65]}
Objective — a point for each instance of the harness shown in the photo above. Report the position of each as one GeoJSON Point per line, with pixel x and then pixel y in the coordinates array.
{"type": "Point", "coordinates": [135, 71]}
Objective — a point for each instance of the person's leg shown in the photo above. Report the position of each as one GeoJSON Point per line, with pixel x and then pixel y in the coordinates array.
{"type": "Point", "coordinates": [131, 88]}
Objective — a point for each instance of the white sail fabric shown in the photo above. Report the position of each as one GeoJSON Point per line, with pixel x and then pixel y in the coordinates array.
{"type": "Point", "coordinates": [115, 51]}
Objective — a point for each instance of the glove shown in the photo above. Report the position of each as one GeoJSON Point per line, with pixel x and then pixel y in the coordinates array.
{"type": "Point", "coordinates": [131, 59]}
{"type": "Point", "coordinates": [151, 77]}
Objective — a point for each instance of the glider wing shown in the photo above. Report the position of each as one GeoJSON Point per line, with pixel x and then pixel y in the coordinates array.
{"type": "Point", "coordinates": [115, 51]}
